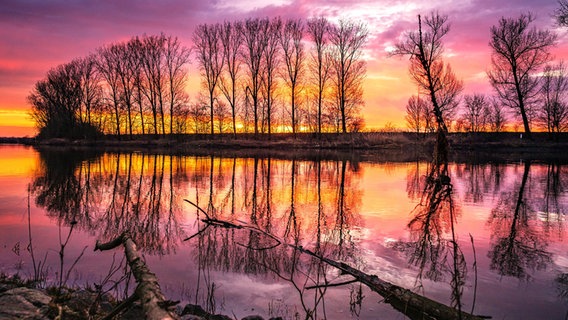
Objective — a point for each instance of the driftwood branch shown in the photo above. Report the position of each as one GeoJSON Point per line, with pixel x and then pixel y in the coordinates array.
{"type": "Point", "coordinates": [411, 304]}
{"type": "Point", "coordinates": [330, 285]}
{"type": "Point", "coordinates": [148, 290]}
{"type": "Point", "coordinates": [212, 222]}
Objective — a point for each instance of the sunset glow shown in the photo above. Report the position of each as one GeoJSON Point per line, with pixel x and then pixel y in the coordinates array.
{"type": "Point", "coordinates": [36, 36]}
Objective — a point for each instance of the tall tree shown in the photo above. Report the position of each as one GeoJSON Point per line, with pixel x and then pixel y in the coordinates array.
{"type": "Point", "coordinates": [318, 30]}
{"type": "Point", "coordinates": [125, 68]}
{"type": "Point", "coordinates": [347, 40]}
{"type": "Point", "coordinates": [176, 58]}
{"type": "Point", "coordinates": [57, 102]}
{"type": "Point", "coordinates": [427, 68]}
{"type": "Point", "coordinates": [271, 64]}
{"type": "Point", "coordinates": [518, 52]}
{"type": "Point", "coordinates": [561, 13]}
{"type": "Point", "coordinates": [254, 34]}
{"type": "Point", "coordinates": [475, 106]}
{"type": "Point", "coordinates": [207, 44]}
{"type": "Point", "coordinates": [293, 52]}
{"type": "Point", "coordinates": [107, 62]}
{"type": "Point", "coordinates": [231, 38]}
{"type": "Point", "coordinates": [153, 77]}
{"type": "Point", "coordinates": [92, 91]}
{"type": "Point", "coordinates": [554, 112]}
{"type": "Point", "coordinates": [136, 57]}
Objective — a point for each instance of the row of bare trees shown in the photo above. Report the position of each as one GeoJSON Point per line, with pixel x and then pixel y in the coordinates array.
{"type": "Point", "coordinates": [525, 81]}
{"type": "Point", "coordinates": [264, 63]}
{"type": "Point", "coordinates": [255, 72]}
{"type": "Point", "coordinates": [131, 87]}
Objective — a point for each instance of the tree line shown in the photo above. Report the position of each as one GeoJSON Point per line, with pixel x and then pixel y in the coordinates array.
{"type": "Point", "coordinates": [527, 84]}
{"type": "Point", "coordinates": [125, 88]}
{"type": "Point", "coordinates": [265, 75]}
{"type": "Point", "coordinates": [257, 76]}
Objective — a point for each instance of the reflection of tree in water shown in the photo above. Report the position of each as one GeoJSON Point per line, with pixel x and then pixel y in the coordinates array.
{"type": "Point", "coordinates": [279, 197]}
{"type": "Point", "coordinates": [479, 180]}
{"type": "Point", "coordinates": [517, 244]}
{"type": "Point", "coordinates": [552, 209]}
{"type": "Point", "coordinates": [112, 194]}
{"type": "Point", "coordinates": [309, 203]}
{"type": "Point", "coordinates": [433, 247]}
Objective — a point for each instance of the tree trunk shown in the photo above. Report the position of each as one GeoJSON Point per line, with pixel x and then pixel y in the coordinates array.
{"type": "Point", "coordinates": [148, 288]}
{"type": "Point", "coordinates": [409, 303]}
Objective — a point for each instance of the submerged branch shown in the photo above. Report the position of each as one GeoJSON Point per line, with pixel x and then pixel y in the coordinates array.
{"type": "Point", "coordinates": [411, 304]}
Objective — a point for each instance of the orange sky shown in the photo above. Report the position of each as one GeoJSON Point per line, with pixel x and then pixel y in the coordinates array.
{"type": "Point", "coordinates": [38, 35]}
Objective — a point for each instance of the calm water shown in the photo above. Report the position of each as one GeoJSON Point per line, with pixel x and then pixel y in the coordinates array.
{"type": "Point", "coordinates": [494, 243]}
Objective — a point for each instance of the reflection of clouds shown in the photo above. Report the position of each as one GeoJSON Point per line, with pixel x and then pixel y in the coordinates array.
{"type": "Point", "coordinates": [561, 261]}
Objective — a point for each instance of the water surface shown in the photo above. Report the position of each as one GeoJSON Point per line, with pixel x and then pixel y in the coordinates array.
{"type": "Point", "coordinates": [493, 243]}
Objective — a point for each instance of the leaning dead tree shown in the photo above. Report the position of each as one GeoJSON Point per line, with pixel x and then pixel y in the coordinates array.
{"type": "Point", "coordinates": [148, 291]}
{"type": "Point", "coordinates": [411, 304]}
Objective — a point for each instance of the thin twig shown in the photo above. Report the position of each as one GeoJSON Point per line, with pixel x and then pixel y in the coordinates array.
{"type": "Point", "coordinates": [197, 207]}
{"type": "Point", "coordinates": [475, 272]}
{"type": "Point", "coordinates": [328, 285]}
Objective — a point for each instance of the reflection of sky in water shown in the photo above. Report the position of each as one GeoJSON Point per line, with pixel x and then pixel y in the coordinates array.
{"type": "Point", "coordinates": [379, 201]}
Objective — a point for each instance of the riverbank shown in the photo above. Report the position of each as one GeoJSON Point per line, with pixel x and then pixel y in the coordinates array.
{"type": "Point", "coordinates": [21, 299]}
{"type": "Point", "coordinates": [282, 145]}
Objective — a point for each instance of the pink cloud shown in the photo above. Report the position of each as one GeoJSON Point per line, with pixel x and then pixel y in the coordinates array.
{"type": "Point", "coordinates": [38, 35]}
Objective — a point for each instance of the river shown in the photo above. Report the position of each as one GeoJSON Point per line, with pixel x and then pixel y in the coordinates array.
{"type": "Point", "coordinates": [492, 244]}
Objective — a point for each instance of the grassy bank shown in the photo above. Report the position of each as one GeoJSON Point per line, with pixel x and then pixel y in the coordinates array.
{"type": "Point", "coordinates": [310, 145]}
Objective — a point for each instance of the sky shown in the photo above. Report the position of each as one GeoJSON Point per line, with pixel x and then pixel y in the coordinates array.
{"type": "Point", "coordinates": [37, 35]}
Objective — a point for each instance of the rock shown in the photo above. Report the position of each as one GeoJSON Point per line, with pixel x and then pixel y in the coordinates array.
{"type": "Point", "coordinates": [23, 303]}
{"type": "Point", "coordinates": [193, 309]}
{"type": "Point", "coordinates": [82, 304]}
{"type": "Point", "coordinates": [253, 318]}
{"type": "Point", "coordinates": [196, 310]}
{"type": "Point", "coordinates": [191, 317]}
{"type": "Point", "coordinates": [276, 318]}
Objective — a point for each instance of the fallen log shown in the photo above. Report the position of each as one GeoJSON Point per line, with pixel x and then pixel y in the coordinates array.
{"type": "Point", "coordinates": [148, 291]}
{"type": "Point", "coordinates": [413, 305]}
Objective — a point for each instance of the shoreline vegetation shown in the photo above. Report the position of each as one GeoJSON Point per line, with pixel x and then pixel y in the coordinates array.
{"type": "Point", "coordinates": [310, 143]}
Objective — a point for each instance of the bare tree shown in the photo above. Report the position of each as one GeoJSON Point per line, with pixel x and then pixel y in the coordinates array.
{"type": "Point", "coordinates": [475, 106]}
{"type": "Point", "coordinates": [176, 58]}
{"type": "Point", "coordinates": [57, 102]}
{"type": "Point", "coordinates": [427, 68]}
{"type": "Point", "coordinates": [271, 63]}
{"type": "Point", "coordinates": [92, 91]}
{"type": "Point", "coordinates": [153, 77]}
{"type": "Point", "coordinates": [496, 116]}
{"type": "Point", "coordinates": [126, 76]}
{"type": "Point", "coordinates": [347, 41]}
{"type": "Point", "coordinates": [207, 44]}
{"type": "Point", "coordinates": [320, 66]}
{"type": "Point", "coordinates": [293, 51]}
{"type": "Point", "coordinates": [254, 33]}
{"type": "Point", "coordinates": [231, 38]}
{"type": "Point", "coordinates": [518, 52]}
{"type": "Point", "coordinates": [416, 111]}
{"type": "Point", "coordinates": [554, 113]}
{"type": "Point", "coordinates": [197, 115]}
{"type": "Point", "coordinates": [561, 13]}
{"type": "Point", "coordinates": [136, 56]}
{"type": "Point", "coordinates": [107, 66]}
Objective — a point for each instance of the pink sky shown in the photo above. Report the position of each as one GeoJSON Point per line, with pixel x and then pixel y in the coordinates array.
{"type": "Point", "coordinates": [38, 35]}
